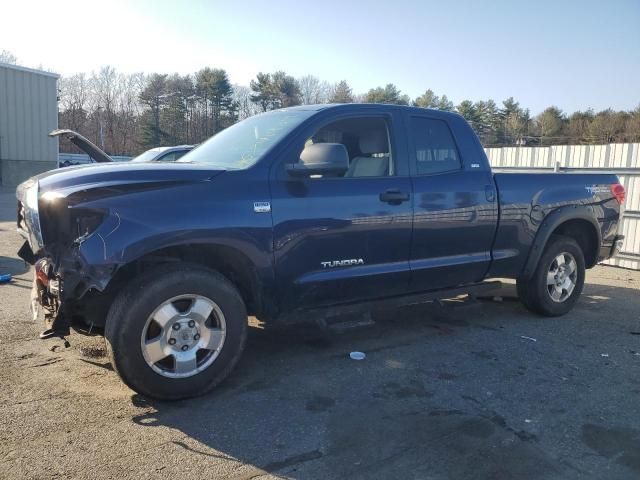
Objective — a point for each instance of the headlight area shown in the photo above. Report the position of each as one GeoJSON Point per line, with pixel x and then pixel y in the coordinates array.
{"type": "Point", "coordinates": [61, 275]}
{"type": "Point", "coordinates": [64, 224]}
{"type": "Point", "coordinates": [85, 222]}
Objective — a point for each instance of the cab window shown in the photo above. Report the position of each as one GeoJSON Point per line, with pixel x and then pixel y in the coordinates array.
{"type": "Point", "coordinates": [366, 140]}
{"type": "Point", "coordinates": [435, 149]}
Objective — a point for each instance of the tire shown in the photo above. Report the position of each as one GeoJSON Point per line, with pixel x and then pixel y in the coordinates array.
{"type": "Point", "coordinates": [201, 355]}
{"type": "Point", "coordinates": [542, 297]}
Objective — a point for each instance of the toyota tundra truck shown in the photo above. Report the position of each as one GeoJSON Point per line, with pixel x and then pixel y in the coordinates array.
{"type": "Point", "coordinates": [305, 209]}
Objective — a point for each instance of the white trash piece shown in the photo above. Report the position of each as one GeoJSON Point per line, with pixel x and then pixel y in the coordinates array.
{"type": "Point", "coordinates": [528, 338]}
{"type": "Point", "coordinates": [357, 356]}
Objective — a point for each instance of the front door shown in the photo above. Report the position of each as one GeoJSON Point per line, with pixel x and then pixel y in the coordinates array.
{"type": "Point", "coordinates": [344, 238]}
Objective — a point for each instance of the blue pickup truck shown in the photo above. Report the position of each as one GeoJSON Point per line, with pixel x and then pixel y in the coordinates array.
{"type": "Point", "coordinates": [295, 211]}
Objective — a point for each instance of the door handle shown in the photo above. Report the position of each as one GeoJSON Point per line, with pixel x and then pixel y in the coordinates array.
{"type": "Point", "coordinates": [394, 197]}
{"type": "Point", "coordinates": [489, 193]}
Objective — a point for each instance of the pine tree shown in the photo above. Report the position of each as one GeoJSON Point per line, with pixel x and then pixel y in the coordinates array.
{"type": "Point", "coordinates": [341, 93]}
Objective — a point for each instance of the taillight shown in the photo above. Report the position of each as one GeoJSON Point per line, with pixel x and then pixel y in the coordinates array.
{"type": "Point", "coordinates": [618, 192]}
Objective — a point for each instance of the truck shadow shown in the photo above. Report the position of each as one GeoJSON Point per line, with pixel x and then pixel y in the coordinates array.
{"type": "Point", "coordinates": [436, 396]}
{"type": "Point", "coordinates": [12, 265]}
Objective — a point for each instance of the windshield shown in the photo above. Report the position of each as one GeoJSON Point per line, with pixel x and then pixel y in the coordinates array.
{"type": "Point", "coordinates": [242, 145]}
{"type": "Point", "coordinates": [148, 155]}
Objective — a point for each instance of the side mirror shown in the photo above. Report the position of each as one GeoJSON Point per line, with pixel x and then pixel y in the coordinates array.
{"type": "Point", "coordinates": [326, 159]}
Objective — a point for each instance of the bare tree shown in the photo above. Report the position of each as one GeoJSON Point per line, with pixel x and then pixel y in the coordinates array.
{"type": "Point", "coordinates": [242, 98]}
{"type": "Point", "coordinates": [313, 90]}
{"type": "Point", "coordinates": [128, 110]}
{"type": "Point", "coordinates": [8, 57]}
{"type": "Point", "coordinates": [74, 91]}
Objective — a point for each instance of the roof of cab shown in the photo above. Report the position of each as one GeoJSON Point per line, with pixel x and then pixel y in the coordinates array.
{"type": "Point", "coordinates": [367, 106]}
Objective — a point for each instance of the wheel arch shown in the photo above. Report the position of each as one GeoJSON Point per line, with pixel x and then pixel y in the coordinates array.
{"type": "Point", "coordinates": [230, 262]}
{"type": "Point", "coordinates": [576, 222]}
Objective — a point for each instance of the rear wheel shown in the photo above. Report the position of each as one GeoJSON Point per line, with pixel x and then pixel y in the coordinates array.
{"type": "Point", "coordinates": [558, 279]}
{"type": "Point", "coordinates": [176, 332]}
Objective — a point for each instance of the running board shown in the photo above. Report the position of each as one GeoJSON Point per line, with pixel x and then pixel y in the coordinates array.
{"type": "Point", "coordinates": [323, 313]}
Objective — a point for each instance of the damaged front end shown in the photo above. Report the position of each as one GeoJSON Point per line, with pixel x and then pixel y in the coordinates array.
{"type": "Point", "coordinates": [89, 229]}
{"type": "Point", "coordinates": [55, 230]}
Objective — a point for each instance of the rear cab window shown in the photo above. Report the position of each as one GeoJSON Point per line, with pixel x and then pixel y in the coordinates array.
{"type": "Point", "coordinates": [434, 149]}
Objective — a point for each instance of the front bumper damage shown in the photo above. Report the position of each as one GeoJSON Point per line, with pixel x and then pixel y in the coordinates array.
{"type": "Point", "coordinates": [45, 290]}
{"type": "Point", "coordinates": [47, 293]}
{"type": "Point", "coordinates": [62, 274]}
{"type": "Point", "coordinates": [69, 287]}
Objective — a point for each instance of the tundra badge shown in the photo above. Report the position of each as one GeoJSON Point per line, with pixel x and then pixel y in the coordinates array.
{"type": "Point", "coordinates": [342, 263]}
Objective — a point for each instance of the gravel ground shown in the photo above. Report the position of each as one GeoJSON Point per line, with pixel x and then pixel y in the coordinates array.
{"type": "Point", "coordinates": [467, 389]}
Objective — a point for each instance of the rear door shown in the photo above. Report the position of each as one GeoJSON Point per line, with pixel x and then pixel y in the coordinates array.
{"type": "Point", "coordinates": [345, 238]}
{"type": "Point", "coordinates": [455, 209]}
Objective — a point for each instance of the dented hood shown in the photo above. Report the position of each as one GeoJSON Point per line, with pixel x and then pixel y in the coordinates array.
{"type": "Point", "coordinates": [83, 144]}
{"type": "Point", "coordinates": [86, 177]}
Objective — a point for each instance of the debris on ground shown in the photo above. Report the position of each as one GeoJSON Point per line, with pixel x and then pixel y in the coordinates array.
{"type": "Point", "coordinates": [528, 338]}
{"type": "Point", "coordinates": [5, 278]}
{"type": "Point", "coordinates": [605, 355]}
{"type": "Point", "coordinates": [357, 356]}
{"type": "Point", "coordinates": [93, 352]}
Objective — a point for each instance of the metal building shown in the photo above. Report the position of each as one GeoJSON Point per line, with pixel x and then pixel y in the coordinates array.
{"type": "Point", "coordinates": [28, 112]}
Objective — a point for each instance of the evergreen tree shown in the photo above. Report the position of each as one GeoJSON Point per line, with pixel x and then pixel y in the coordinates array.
{"type": "Point", "coordinates": [445, 104]}
{"type": "Point", "coordinates": [277, 90]}
{"type": "Point", "coordinates": [215, 87]}
{"type": "Point", "coordinates": [152, 96]}
{"type": "Point", "coordinates": [263, 94]}
{"type": "Point", "coordinates": [390, 94]}
{"type": "Point", "coordinates": [341, 93]}
{"type": "Point", "coordinates": [467, 109]}
{"type": "Point", "coordinates": [488, 122]}
{"type": "Point", "coordinates": [550, 124]}
{"type": "Point", "coordinates": [427, 100]}
{"type": "Point", "coordinates": [286, 90]}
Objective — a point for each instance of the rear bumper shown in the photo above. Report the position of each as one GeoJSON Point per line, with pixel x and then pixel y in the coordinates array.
{"type": "Point", "coordinates": [612, 249]}
{"type": "Point", "coordinates": [616, 248]}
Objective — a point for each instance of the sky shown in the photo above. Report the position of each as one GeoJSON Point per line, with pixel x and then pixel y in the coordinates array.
{"type": "Point", "coordinates": [575, 54]}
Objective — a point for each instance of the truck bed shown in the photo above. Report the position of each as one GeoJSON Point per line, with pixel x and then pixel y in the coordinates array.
{"type": "Point", "coordinates": [526, 199]}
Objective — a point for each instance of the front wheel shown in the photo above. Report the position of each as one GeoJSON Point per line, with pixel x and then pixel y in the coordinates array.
{"type": "Point", "coordinates": [176, 331]}
{"type": "Point", "coordinates": [558, 279]}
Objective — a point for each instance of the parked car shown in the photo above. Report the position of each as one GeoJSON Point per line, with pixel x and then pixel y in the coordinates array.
{"type": "Point", "coordinates": [163, 154]}
{"type": "Point", "coordinates": [294, 213]}
{"type": "Point", "coordinates": [96, 154]}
